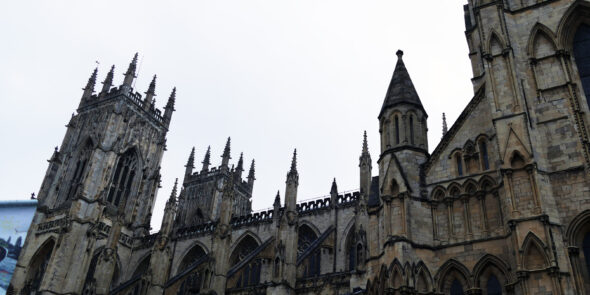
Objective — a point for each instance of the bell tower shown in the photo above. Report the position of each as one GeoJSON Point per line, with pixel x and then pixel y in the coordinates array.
{"type": "Point", "coordinates": [98, 191]}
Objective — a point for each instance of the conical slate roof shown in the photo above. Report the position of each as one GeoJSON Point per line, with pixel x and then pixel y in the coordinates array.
{"type": "Point", "coordinates": [401, 89]}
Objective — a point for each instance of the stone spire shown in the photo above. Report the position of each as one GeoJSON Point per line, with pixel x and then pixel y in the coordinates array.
{"type": "Point", "coordinates": [108, 81]}
{"type": "Point", "coordinates": [226, 151]}
{"type": "Point", "coordinates": [251, 177]}
{"type": "Point", "coordinates": [130, 74]}
{"type": "Point", "coordinates": [292, 184]}
{"type": "Point", "coordinates": [444, 125]}
{"type": "Point", "coordinates": [207, 161]}
{"type": "Point", "coordinates": [89, 89]}
{"type": "Point", "coordinates": [190, 164]}
{"type": "Point", "coordinates": [365, 166]}
{"type": "Point", "coordinates": [169, 108]}
{"type": "Point", "coordinates": [149, 100]}
{"type": "Point", "coordinates": [401, 89]}
{"type": "Point", "coordinates": [294, 163]}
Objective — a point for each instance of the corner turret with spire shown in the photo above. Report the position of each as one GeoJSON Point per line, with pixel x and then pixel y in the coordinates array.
{"type": "Point", "coordinates": [404, 141]}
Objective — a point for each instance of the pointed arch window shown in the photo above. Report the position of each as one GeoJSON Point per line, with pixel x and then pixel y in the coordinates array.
{"type": "Point", "coordinates": [459, 163]}
{"type": "Point", "coordinates": [80, 168]}
{"type": "Point", "coordinates": [411, 129]}
{"type": "Point", "coordinates": [456, 288]}
{"type": "Point", "coordinates": [581, 48]}
{"type": "Point", "coordinates": [396, 129]}
{"type": "Point", "coordinates": [493, 286]}
{"type": "Point", "coordinates": [37, 268]}
{"type": "Point", "coordinates": [123, 178]}
{"type": "Point", "coordinates": [586, 250]}
{"type": "Point", "coordinates": [306, 237]}
{"type": "Point", "coordinates": [483, 150]}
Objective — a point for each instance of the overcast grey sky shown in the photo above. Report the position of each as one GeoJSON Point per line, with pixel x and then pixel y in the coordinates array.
{"type": "Point", "coordinates": [274, 75]}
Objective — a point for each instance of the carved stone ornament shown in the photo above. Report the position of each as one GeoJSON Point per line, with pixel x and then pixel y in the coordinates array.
{"type": "Point", "coordinates": [291, 217]}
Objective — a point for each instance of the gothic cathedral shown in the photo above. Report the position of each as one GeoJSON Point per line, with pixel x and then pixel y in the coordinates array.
{"type": "Point", "coordinates": [501, 206]}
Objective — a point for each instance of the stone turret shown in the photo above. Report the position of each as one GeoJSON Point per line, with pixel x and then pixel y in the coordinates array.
{"type": "Point", "coordinates": [404, 141]}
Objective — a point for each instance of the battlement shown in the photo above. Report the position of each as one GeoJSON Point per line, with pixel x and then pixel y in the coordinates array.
{"type": "Point", "coordinates": [129, 95]}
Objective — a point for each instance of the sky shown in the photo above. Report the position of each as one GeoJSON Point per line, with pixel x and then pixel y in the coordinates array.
{"type": "Point", "coordinates": [274, 75]}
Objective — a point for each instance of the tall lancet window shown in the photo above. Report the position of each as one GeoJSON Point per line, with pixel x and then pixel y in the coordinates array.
{"type": "Point", "coordinates": [456, 288]}
{"type": "Point", "coordinates": [123, 178]}
{"type": "Point", "coordinates": [586, 250]}
{"type": "Point", "coordinates": [396, 130]}
{"type": "Point", "coordinates": [411, 129]}
{"type": "Point", "coordinates": [483, 150]}
{"type": "Point", "coordinates": [80, 168]}
{"type": "Point", "coordinates": [493, 286]}
{"type": "Point", "coordinates": [459, 164]}
{"type": "Point", "coordinates": [581, 48]}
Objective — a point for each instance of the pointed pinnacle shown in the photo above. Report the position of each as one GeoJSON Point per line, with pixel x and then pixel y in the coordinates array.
{"type": "Point", "coordinates": [278, 198]}
{"type": "Point", "coordinates": [444, 124]}
{"type": "Point", "coordinates": [174, 190]}
{"type": "Point", "coordinates": [91, 80]}
{"type": "Point", "coordinates": [334, 188]}
{"type": "Point", "coordinates": [108, 81]}
{"type": "Point", "coordinates": [241, 162]}
{"type": "Point", "coordinates": [132, 65]}
{"type": "Point", "coordinates": [251, 172]}
{"type": "Point", "coordinates": [171, 99]}
{"type": "Point", "coordinates": [227, 149]}
{"type": "Point", "coordinates": [191, 159]}
{"type": "Point", "coordinates": [152, 88]}
{"type": "Point", "coordinates": [294, 161]}
{"type": "Point", "coordinates": [365, 144]}
{"type": "Point", "coordinates": [207, 159]}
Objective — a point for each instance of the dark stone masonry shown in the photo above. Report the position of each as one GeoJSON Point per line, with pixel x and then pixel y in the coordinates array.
{"type": "Point", "coordinates": [501, 206]}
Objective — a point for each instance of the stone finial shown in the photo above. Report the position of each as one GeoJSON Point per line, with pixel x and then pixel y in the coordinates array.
{"type": "Point", "coordinates": [444, 125]}
{"type": "Point", "coordinates": [399, 53]}
{"type": "Point", "coordinates": [130, 74]}
{"type": "Point", "coordinates": [207, 161]}
{"type": "Point", "coordinates": [251, 172]}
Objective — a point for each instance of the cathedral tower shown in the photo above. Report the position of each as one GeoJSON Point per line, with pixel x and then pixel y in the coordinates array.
{"type": "Point", "coordinates": [98, 191]}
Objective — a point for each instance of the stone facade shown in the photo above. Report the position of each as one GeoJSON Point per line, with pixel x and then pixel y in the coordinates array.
{"type": "Point", "coordinates": [501, 206]}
